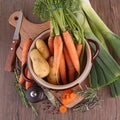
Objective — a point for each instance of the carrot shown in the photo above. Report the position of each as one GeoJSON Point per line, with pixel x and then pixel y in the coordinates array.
{"type": "Point", "coordinates": [29, 84]}
{"type": "Point", "coordinates": [73, 95]}
{"type": "Point", "coordinates": [68, 96]}
{"type": "Point", "coordinates": [26, 47]}
{"type": "Point", "coordinates": [21, 79]}
{"type": "Point", "coordinates": [62, 109]}
{"type": "Point", "coordinates": [58, 49]}
{"type": "Point", "coordinates": [79, 49]}
{"type": "Point", "coordinates": [50, 44]}
{"type": "Point", "coordinates": [63, 69]}
{"type": "Point", "coordinates": [71, 50]}
{"type": "Point", "coordinates": [71, 69]}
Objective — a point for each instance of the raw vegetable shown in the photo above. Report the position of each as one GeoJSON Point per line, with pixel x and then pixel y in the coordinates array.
{"type": "Point", "coordinates": [71, 69]}
{"type": "Point", "coordinates": [63, 70]}
{"type": "Point", "coordinates": [58, 49]}
{"type": "Point", "coordinates": [27, 83]}
{"type": "Point", "coordinates": [111, 37]}
{"type": "Point", "coordinates": [71, 50]}
{"type": "Point", "coordinates": [26, 47]}
{"type": "Point", "coordinates": [52, 77]}
{"type": "Point", "coordinates": [43, 49]}
{"type": "Point", "coordinates": [105, 69]}
{"type": "Point", "coordinates": [39, 64]}
{"type": "Point", "coordinates": [79, 49]}
{"type": "Point", "coordinates": [65, 25]}
{"type": "Point", "coordinates": [68, 96]}
{"type": "Point", "coordinates": [50, 44]}
{"type": "Point", "coordinates": [21, 79]}
{"type": "Point", "coordinates": [62, 109]}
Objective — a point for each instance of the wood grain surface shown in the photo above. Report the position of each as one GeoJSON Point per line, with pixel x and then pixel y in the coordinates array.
{"type": "Point", "coordinates": [11, 107]}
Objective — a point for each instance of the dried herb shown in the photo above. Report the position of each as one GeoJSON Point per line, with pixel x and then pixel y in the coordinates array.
{"type": "Point", "coordinates": [21, 89]}
{"type": "Point", "coordinates": [87, 104]}
{"type": "Point", "coordinates": [49, 108]}
{"type": "Point", "coordinates": [51, 97]}
{"type": "Point", "coordinates": [91, 100]}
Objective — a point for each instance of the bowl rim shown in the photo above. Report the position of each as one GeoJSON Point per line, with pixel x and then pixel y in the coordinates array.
{"type": "Point", "coordinates": [78, 81]}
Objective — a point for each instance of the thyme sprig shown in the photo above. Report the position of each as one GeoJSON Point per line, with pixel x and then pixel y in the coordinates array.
{"type": "Point", "coordinates": [21, 89]}
{"type": "Point", "coordinates": [87, 104]}
{"type": "Point", "coordinates": [90, 101]}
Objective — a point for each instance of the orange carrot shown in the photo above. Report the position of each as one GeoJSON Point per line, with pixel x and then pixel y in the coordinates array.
{"type": "Point", "coordinates": [79, 49]}
{"type": "Point", "coordinates": [58, 49]}
{"type": "Point", "coordinates": [26, 47]}
{"type": "Point", "coordinates": [71, 69]}
{"type": "Point", "coordinates": [63, 69]}
{"type": "Point", "coordinates": [21, 79]}
{"type": "Point", "coordinates": [71, 50]}
{"type": "Point", "coordinates": [50, 44]}
{"type": "Point", "coordinates": [29, 84]}
{"type": "Point", "coordinates": [68, 96]}
{"type": "Point", "coordinates": [62, 109]}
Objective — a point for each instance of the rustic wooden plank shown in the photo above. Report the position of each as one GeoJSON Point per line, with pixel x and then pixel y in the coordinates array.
{"type": "Point", "coordinates": [11, 107]}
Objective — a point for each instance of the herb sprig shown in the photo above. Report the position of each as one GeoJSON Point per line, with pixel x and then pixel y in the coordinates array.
{"type": "Point", "coordinates": [21, 90]}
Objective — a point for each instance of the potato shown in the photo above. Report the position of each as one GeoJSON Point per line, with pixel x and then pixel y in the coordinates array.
{"type": "Point", "coordinates": [39, 64]}
{"type": "Point", "coordinates": [52, 77]}
{"type": "Point", "coordinates": [42, 47]}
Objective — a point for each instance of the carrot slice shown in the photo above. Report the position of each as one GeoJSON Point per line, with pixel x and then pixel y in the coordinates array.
{"type": "Point", "coordinates": [62, 109]}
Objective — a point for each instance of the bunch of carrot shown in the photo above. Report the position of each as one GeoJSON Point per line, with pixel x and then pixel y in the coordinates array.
{"type": "Point", "coordinates": [66, 56]}
{"type": "Point", "coordinates": [25, 50]}
{"type": "Point", "coordinates": [66, 41]}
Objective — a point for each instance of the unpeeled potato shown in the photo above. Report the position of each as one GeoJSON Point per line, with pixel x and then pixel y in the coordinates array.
{"type": "Point", "coordinates": [52, 77]}
{"type": "Point", "coordinates": [43, 49]}
{"type": "Point", "coordinates": [39, 64]}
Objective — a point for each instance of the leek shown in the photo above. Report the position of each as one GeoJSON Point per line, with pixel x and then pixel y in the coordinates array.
{"type": "Point", "coordinates": [111, 37]}
{"type": "Point", "coordinates": [105, 69]}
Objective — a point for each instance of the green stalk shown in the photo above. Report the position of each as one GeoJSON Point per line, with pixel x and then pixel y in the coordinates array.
{"type": "Point", "coordinates": [115, 88]}
{"type": "Point", "coordinates": [97, 33]}
{"type": "Point", "coordinates": [112, 38]}
{"type": "Point", "coordinates": [100, 74]}
{"type": "Point", "coordinates": [105, 56]}
{"type": "Point", "coordinates": [55, 27]}
{"type": "Point", "coordinates": [103, 79]}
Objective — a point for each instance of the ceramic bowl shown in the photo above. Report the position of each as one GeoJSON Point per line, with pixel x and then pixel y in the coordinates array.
{"type": "Point", "coordinates": [88, 65]}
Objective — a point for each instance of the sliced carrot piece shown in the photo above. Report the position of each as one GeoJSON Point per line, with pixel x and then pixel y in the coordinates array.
{"type": "Point", "coordinates": [62, 109]}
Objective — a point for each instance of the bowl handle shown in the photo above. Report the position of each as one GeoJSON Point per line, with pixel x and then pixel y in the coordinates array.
{"type": "Point", "coordinates": [97, 50]}
{"type": "Point", "coordinates": [23, 73]}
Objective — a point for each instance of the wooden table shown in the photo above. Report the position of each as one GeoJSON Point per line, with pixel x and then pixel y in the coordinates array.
{"type": "Point", "coordinates": [11, 107]}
